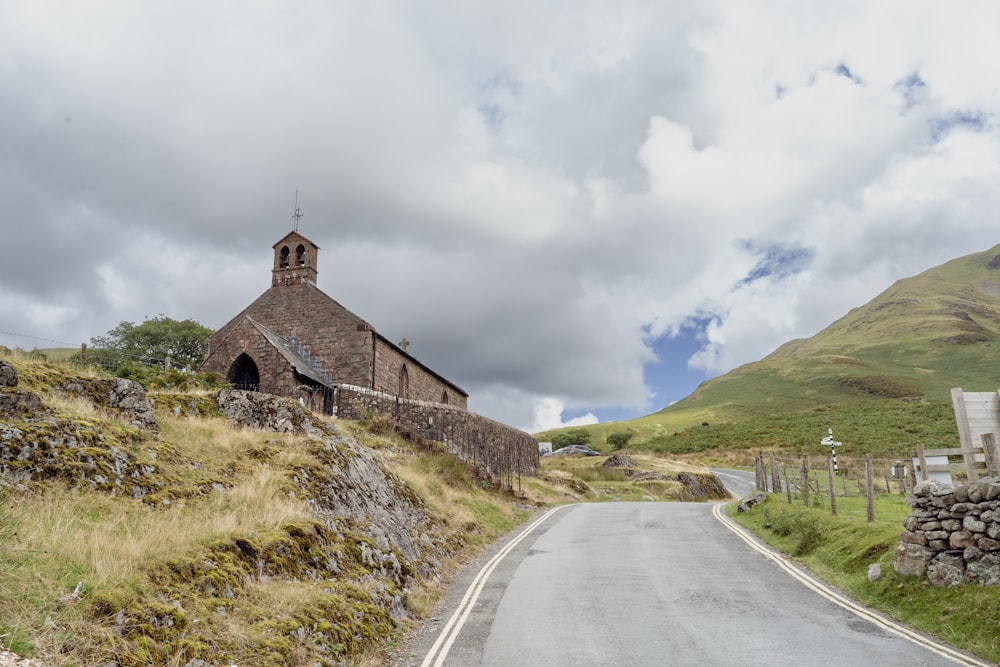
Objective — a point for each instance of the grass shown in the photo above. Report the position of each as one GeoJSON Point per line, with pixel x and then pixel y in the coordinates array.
{"type": "Point", "coordinates": [222, 486]}
{"type": "Point", "coordinates": [840, 548]}
{"type": "Point", "coordinates": [585, 478]}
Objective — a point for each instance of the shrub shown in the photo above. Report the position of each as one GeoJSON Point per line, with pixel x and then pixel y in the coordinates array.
{"type": "Point", "coordinates": [619, 439]}
{"type": "Point", "coordinates": [576, 436]}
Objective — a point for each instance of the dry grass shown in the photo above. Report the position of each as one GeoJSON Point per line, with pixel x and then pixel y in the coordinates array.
{"type": "Point", "coordinates": [109, 540]}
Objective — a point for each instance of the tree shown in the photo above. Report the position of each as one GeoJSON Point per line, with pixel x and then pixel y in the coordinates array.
{"type": "Point", "coordinates": [575, 436]}
{"type": "Point", "coordinates": [156, 339]}
{"type": "Point", "coordinates": [619, 439]}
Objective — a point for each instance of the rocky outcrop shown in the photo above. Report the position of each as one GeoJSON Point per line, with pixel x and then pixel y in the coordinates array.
{"type": "Point", "coordinates": [619, 460]}
{"type": "Point", "coordinates": [119, 395]}
{"type": "Point", "coordinates": [12, 399]}
{"type": "Point", "coordinates": [8, 376]}
{"type": "Point", "coordinates": [350, 483]}
{"type": "Point", "coordinates": [952, 534]}
{"type": "Point", "coordinates": [251, 409]}
{"type": "Point", "coordinates": [702, 487]}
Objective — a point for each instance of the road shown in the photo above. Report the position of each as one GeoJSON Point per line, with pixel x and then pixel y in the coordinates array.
{"type": "Point", "coordinates": [653, 584]}
{"type": "Point", "coordinates": [739, 482]}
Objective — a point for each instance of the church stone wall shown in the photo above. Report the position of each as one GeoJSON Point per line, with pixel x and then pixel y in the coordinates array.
{"type": "Point", "coordinates": [334, 340]}
{"type": "Point", "coordinates": [423, 385]}
{"type": "Point", "coordinates": [271, 365]}
{"type": "Point", "coordinates": [327, 331]}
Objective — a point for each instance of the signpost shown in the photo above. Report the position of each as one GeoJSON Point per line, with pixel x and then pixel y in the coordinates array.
{"type": "Point", "coordinates": [833, 444]}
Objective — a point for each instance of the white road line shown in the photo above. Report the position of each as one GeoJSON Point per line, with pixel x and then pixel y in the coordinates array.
{"type": "Point", "coordinates": [886, 624]}
{"type": "Point", "coordinates": [454, 625]}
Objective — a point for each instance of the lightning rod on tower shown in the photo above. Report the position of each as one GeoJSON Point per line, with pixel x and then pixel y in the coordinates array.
{"type": "Point", "coordinates": [297, 215]}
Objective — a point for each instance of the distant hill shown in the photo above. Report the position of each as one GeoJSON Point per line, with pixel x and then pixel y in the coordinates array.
{"type": "Point", "coordinates": [917, 339]}
{"type": "Point", "coordinates": [909, 345]}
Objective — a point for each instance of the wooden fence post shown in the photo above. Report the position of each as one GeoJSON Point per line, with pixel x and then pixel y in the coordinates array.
{"type": "Point", "coordinates": [964, 433]}
{"type": "Point", "coordinates": [833, 488]}
{"type": "Point", "coordinates": [805, 479]}
{"type": "Point", "coordinates": [83, 353]}
{"type": "Point", "coordinates": [923, 463]}
{"type": "Point", "coordinates": [775, 476]}
{"type": "Point", "coordinates": [761, 481]}
{"type": "Point", "coordinates": [788, 486]}
{"type": "Point", "coordinates": [870, 487]}
{"type": "Point", "coordinates": [992, 455]}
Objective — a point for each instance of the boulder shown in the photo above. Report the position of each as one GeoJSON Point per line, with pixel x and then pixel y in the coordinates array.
{"type": "Point", "coordinates": [265, 412]}
{"type": "Point", "coordinates": [619, 461]}
{"type": "Point", "coordinates": [910, 560]}
{"type": "Point", "coordinates": [8, 376]}
{"type": "Point", "coordinates": [18, 401]}
{"type": "Point", "coordinates": [985, 570]}
{"type": "Point", "coordinates": [946, 569]}
{"type": "Point", "coordinates": [129, 397]}
{"type": "Point", "coordinates": [751, 501]}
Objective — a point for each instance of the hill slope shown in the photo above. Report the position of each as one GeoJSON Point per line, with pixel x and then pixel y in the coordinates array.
{"type": "Point", "coordinates": [917, 339]}
{"type": "Point", "coordinates": [222, 528]}
{"type": "Point", "coordinates": [901, 352]}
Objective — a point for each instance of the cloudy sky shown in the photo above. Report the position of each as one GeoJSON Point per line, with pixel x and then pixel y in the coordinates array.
{"type": "Point", "coordinates": [575, 210]}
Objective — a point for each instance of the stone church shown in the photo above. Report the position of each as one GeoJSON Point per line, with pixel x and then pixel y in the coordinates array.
{"type": "Point", "coordinates": [294, 340]}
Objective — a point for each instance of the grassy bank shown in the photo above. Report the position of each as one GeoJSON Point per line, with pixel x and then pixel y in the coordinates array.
{"type": "Point", "coordinates": [840, 548]}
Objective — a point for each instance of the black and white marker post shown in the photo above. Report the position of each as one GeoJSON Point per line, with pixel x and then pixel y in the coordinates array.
{"type": "Point", "coordinates": [833, 444]}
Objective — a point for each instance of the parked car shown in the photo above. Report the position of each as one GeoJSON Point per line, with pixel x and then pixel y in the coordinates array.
{"type": "Point", "coordinates": [574, 449]}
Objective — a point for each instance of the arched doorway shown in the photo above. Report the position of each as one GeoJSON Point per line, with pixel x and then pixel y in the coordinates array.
{"type": "Point", "coordinates": [243, 374]}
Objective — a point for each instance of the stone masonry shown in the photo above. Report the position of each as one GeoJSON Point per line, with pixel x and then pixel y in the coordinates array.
{"type": "Point", "coordinates": [294, 335]}
{"type": "Point", "coordinates": [952, 534]}
{"type": "Point", "coordinates": [493, 447]}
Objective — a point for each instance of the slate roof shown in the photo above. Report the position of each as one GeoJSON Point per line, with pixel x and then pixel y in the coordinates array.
{"type": "Point", "coordinates": [294, 354]}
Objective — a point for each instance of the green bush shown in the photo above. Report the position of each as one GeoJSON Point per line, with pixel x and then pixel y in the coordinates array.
{"type": "Point", "coordinates": [619, 439]}
{"type": "Point", "coordinates": [576, 436]}
{"type": "Point", "coordinates": [788, 520]}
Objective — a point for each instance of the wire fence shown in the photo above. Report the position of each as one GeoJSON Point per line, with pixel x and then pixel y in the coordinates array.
{"type": "Point", "coordinates": [827, 481]}
{"type": "Point", "coordinates": [108, 360]}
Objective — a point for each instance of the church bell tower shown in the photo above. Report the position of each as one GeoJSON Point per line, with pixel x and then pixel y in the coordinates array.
{"type": "Point", "coordinates": [295, 259]}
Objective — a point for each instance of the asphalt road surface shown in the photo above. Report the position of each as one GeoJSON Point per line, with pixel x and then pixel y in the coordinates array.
{"type": "Point", "coordinates": [740, 483]}
{"type": "Point", "coordinates": [653, 584]}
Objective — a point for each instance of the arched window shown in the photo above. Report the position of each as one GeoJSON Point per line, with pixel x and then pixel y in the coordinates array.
{"type": "Point", "coordinates": [444, 397]}
{"type": "Point", "coordinates": [404, 382]}
{"type": "Point", "coordinates": [300, 255]}
{"type": "Point", "coordinates": [243, 374]}
{"type": "Point", "coordinates": [284, 256]}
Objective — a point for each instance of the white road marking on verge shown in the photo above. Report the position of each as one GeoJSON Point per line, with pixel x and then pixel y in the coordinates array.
{"type": "Point", "coordinates": [454, 625]}
{"type": "Point", "coordinates": [885, 623]}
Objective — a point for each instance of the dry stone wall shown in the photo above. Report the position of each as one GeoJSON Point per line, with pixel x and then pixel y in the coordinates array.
{"type": "Point", "coordinates": [952, 534]}
{"type": "Point", "coordinates": [496, 448]}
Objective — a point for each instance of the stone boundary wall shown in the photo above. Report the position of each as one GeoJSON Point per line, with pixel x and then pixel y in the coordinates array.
{"type": "Point", "coordinates": [952, 534]}
{"type": "Point", "coordinates": [498, 449]}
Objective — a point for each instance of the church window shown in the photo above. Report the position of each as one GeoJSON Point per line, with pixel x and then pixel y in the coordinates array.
{"type": "Point", "coordinates": [404, 382]}
{"type": "Point", "coordinates": [444, 397]}
{"type": "Point", "coordinates": [300, 255]}
{"type": "Point", "coordinates": [284, 257]}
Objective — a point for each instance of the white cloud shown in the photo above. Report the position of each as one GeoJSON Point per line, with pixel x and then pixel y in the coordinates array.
{"type": "Point", "coordinates": [532, 193]}
{"type": "Point", "coordinates": [548, 413]}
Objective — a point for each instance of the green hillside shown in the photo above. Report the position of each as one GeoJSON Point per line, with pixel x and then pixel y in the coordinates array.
{"type": "Point", "coordinates": [882, 373]}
